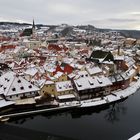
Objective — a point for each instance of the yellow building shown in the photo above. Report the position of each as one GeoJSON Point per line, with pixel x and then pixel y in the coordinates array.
{"type": "Point", "coordinates": [64, 88]}
{"type": "Point", "coordinates": [60, 76]}
{"type": "Point", "coordinates": [56, 89]}
{"type": "Point", "coordinates": [48, 88]}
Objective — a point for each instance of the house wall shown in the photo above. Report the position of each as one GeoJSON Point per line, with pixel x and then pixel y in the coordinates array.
{"type": "Point", "coordinates": [64, 92]}
{"type": "Point", "coordinates": [33, 44]}
{"type": "Point", "coordinates": [97, 92]}
{"type": "Point", "coordinates": [48, 89]}
{"type": "Point", "coordinates": [132, 76]}
{"type": "Point", "coordinates": [111, 68]}
{"type": "Point", "coordinates": [121, 65]}
{"type": "Point", "coordinates": [21, 96]}
{"type": "Point", "coordinates": [63, 77]}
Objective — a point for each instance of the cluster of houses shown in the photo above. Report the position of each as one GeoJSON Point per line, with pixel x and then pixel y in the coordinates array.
{"type": "Point", "coordinates": [64, 71]}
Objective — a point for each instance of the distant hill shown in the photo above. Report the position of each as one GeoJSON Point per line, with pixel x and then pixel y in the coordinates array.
{"type": "Point", "coordinates": [66, 31]}
{"type": "Point", "coordinates": [14, 23]}
{"type": "Point", "coordinates": [130, 33]}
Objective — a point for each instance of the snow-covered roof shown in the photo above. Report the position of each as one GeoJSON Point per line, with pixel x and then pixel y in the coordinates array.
{"type": "Point", "coordinates": [117, 57]}
{"type": "Point", "coordinates": [117, 77]}
{"type": "Point", "coordinates": [63, 86]}
{"type": "Point", "coordinates": [4, 103]}
{"type": "Point", "coordinates": [13, 84]}
{"type": "Point", "coordinates": [49, 82]}
{"type": "Point", "coordinates": [58, 74]}
{"type": "Point", "coordinates": [78, 66]}
{"type": "Point", "coordinates": [72, 75]}
{"type": "Point", "coordinates": [130, 72]}
{"type": "Point", "coordinates": [16, 50]}
{"type": "Point", "coordinates": [2, 56]}
{"type": "Point", "coordinates": [129, 61]}
{"type": "Point", "coordinates": [108, 62]}
{"type": "Point", "coordinates": [51, 67]}
{"type": "Point", "coordinates": [31, 71]}
{"type": "Point", "coordinates": [93, 70]}
{"type": "Point", "coordinates": [92, 82]}
{"type": "Point", "coordinates": [83, 73]}
{"type": "Point", "coordinates": [39, 83]}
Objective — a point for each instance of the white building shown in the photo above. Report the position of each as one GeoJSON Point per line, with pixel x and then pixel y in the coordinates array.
{"type": "Point", "coordinates": [14, 87]}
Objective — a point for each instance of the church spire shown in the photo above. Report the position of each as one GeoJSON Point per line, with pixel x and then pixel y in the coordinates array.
{"type": "Point", "coordinates": [33, 26]}
{"type": "Point", "coordinates": [33, 29]}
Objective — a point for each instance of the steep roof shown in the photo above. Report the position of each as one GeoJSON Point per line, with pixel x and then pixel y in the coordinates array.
{"type": "Point", "coordinates": [101, 55]}
{"type": "Point", "coordinates": [13, 84]}
{"type": "Point", "coordinates": [33, 26]}
{"type": "Point", "coordinates": [27, 32]}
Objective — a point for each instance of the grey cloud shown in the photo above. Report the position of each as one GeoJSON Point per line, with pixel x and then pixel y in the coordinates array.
{"type": "Point", "coordinates": [122, 20]}
{"type": "Point", "coordinates": [104, 12]}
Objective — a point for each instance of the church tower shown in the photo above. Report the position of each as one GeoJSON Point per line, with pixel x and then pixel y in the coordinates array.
{"type": "Point", "coordinates": [33, 29]}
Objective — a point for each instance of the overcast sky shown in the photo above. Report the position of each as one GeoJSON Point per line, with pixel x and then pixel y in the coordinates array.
{"type": "Point", "coordinates": [118, 14]}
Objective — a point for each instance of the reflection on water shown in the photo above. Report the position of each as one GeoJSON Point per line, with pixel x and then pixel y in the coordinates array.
{"type": "Point", "coordinates": [117, 121]}
{"type": "Point", "coordinates": [114, 112]}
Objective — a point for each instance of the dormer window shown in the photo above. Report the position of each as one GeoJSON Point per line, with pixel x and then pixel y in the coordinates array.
{"type": "Point", "coordinates": [86, 75]}
{"type": "Point", "coordinates": [30, 86]}
{"type": "Point", "coordinates": [19, 81]}
{"type": "Point", "coordinates": [91, 83]}
{"type": "Point", "coordinates": [82, 75]}
{"type": "Point", "coordinates": [22, 88]}
{"type": "Point", "coordinates": [60, 87]}
{"type": "Point", "coordinates": [13, 89]}
{"type": "Point", "coordinates": [1, 85]}
{"type": "Point", "coordinates": [6, 79]}
{"type": "Point", "coordinates": [99, 81]}
{"type": "Point", "coordinates": [79, 85]}
{"type": "Point", "coordinates": [4, 88]}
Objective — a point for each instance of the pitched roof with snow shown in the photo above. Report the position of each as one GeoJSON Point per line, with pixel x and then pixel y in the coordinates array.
{"type": "Point", "coordinates": [93, 70]}
{"type": "Point", "coordinates": [13, 84]}
{"type": "Point", "coordinates": [85, 83]}
{"type": "Point", "coordinates": [63, 86]}
{"type": "Point", "coordinates": [31, 71]}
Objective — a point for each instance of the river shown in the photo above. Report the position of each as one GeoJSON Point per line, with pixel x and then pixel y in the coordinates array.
{"type": "Point", "coordinates": [118, 121]}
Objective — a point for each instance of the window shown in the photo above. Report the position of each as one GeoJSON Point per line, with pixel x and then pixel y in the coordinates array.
{"type": "Point", "coordinates": [19, 81]}
{"type": "Point", "coordinates": [60, 87]}
{"type": "Point", "coordinates": [22, 88]}
{"type": "Point", "coordinates": [13, 89]}
{"type": "Point", "coordinates": [79, 85]}
{"type": "Point", "coordinates": [30, 86]}
{"type": "Point", "coordinates": [90, 82]}
{"type": "Point", "coordinates": [16, 95]}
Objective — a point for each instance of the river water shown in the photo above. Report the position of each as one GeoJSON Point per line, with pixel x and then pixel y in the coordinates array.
{"type": "Point", "coordinates": [119, 121]}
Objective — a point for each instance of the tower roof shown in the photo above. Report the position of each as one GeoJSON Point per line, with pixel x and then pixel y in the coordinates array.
{"type": "Point", "coordinates": [33, 26]}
